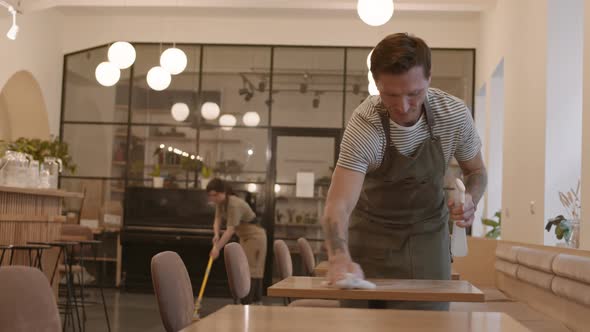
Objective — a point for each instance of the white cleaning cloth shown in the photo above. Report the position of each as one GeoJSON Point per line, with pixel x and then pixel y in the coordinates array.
{"type": "Point", "coordinates": [352, 282]}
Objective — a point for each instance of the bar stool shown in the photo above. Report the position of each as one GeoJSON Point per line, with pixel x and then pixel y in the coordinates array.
{"type": "Point", "coordinates": [93, 245]}
{"type": "Point", "coordinates": [71, 306]}
{"type": "Point", "coordinates": [38, 248]}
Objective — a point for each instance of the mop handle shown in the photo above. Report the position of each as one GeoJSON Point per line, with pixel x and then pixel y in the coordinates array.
{"type": "Point", "coordinates": [205, 279]}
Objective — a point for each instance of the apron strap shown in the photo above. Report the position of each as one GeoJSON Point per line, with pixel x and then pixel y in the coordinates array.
{"type": "Point", "coordinates": [429, 115]}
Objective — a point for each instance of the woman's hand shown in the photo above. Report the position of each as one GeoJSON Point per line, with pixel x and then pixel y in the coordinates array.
{"type": "Point", "coordinates": [214, 253]}
{"type": "Point", "coordinates": [215, 239]}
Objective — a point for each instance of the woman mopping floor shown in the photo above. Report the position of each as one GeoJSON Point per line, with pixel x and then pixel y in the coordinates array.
{"type": "Point", "coordinates": [239, 218]}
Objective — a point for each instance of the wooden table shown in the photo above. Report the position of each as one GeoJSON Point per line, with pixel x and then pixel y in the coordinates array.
{"type": "Point", "coordinates": [322, 269]}
{"type": "Point", "coordinates": [234, 318]}
{"type": "Point", "coordinates": [387, 290]}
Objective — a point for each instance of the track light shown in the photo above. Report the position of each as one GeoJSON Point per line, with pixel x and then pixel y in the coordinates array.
{"type": "Point", "coordinates": [13, 31]}
{"type": "Point", "coordinates": [247, 89]}
{"type": "Point", "coordinates": [316, 100]}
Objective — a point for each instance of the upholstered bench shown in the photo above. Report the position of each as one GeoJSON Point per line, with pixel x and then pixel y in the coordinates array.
{"type": "Point", "coordinates": [553, 282]}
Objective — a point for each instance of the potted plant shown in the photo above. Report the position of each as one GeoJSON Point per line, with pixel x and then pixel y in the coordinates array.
{"type": "Point", "coordinates": [568, 228]}
{"type": "Point", "coordinates": [495, 232]}
{"type": "Point", "coordinates": [42, 149]}
{"type": "Point", "coordinates": [157, 179]}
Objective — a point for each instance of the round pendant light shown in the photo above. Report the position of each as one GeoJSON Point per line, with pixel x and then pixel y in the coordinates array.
{"type": "Point", "coordinates": [107, 74]}
{"type": "Point", "coordinates": [210, 110]}
{"type": "Point", "coordinates": [180, 111]}
{"type": "Point", "coordinates": [158, 78]}
{"type": "Point", "coordinates": [252, 187]}
{"type": "Point", "coordinates": [227, 120]}
{"type": "Point", "coordinates": [251, 119]}
{"type": "Point", "coordinates": [122, 54]}
{"type": "Point", "coordinates": [173, 60]}
{"type": "Point", "coordinates": [375, 12]}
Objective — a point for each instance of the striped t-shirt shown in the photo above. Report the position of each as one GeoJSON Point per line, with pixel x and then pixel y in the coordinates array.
{"type": "Point", "coordinates": [363, 144]}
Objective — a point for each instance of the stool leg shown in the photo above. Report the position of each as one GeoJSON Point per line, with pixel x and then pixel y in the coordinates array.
{"type": "Point", "coordinates": [39, 259]}
{"type": "Point", "coordinates": [104, 304]}
{"type": "Point", "coordinates": [2, 257]}
{"type": "Point", "coordinates": [30, 257]}
{"type": "Point", "coordinates": [70, 285]}
{"type": "Point", "coordinates": [11, 256]}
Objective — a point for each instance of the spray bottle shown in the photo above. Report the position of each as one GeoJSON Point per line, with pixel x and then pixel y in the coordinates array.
{"type": "Point", "coordinates": [459, 238]}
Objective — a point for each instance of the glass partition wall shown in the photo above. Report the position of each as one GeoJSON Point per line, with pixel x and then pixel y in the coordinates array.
{"type": "Point", "coordinates": [290, 101]}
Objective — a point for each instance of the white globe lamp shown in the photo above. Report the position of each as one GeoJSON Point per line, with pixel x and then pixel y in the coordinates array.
{"type": "Point", "coordinates": [122, 54]}
{"type": "Point", "coordinates": [158, 78]}
{"type": "Point", "coordinates": [252, 187]}
{"type": "Point", "coordinates": [180, 111]}
{"type": "Point", "coordinates": [375, 12]}
{"type": "Point", "coordinates": [369, 60]}
{"type": "Point", "coordinates": [210, 110]}
{"type": "Point", "coordinates": [107, 74]}
{"type": "Point", "coordinates": [251, 119]}
{"type": "Point", "coordinates": [173, 60]}
{"type": "Point", "coordinates": [227, 122]}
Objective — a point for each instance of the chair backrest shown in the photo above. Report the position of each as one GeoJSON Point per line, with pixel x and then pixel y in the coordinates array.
{"type": "Point", "coordinates": [27, 302]}
{"type": "Point", "coordinates": [306, 255]}
{"type": "Point", "coordinates": [238, 271]}
{"type": "Point", "coordinates": [173, 290]}
{"type": "Point", "coordinates": [76, 232]}
{"type": "Point", "coordinates": [283, 259]}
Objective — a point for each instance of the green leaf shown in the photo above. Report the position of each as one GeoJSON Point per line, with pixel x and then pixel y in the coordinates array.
{"type": "Point", "coordinates": [490, 222]}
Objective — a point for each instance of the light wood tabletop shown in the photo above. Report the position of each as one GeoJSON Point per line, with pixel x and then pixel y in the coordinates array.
{"type": "Point", "coordinates": [387, 290]}
{"type": "Point", "coordinates": [322, 269]}
{"type": "Point", "coordinates": [234, 318]}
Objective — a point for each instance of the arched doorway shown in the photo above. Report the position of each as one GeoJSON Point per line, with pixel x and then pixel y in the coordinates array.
{"type": "Point", "coordinates": [22, 108]}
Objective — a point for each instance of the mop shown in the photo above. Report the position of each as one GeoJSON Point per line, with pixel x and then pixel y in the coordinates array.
{"type": "Point", "coordinates": [198, 302]}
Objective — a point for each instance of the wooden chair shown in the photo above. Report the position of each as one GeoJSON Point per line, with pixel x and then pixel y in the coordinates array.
{"type": "Point", "coordinates": [285, 269]}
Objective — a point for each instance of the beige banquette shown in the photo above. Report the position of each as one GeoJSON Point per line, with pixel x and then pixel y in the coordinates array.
{"type": "Point", "coordinates": [545, 288]}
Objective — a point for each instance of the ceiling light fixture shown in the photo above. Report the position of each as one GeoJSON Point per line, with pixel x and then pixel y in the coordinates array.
{"type": "Point", "coordinates": [13, 31]}
{"type": "Point", "coordinates": [227, 121]}
{"type": "Point", "coordinates": [173, 60]}
{"type": "Point", "coordinates": [180, 111]}
{"type": "Point", "coordinates": [375, 12]}
{"type": "Point", "coordinates": [107, 74]}
{"type": "Point", "coordinates": [251, 119]}
{"type": "Point", "coordinates": [210, 110]}
{"type": "Point", "coordinates": [122, 54]}
{"type": "Point", "coordinates": [158, 78]}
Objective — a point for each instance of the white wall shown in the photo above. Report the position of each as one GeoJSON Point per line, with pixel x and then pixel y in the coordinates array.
{"type": "Point", "coordinates": [495, 139]}
{"type": "Point", "coordinates": [516, 31]}
{"type": "Point", "coordinates": [38, 49]}
{"type": "Point", "coordinates": [478, 229]}
{"type": "Point", "coordinates": [563, 138]}
{"type": "Point", "coordinates": [584, 229]}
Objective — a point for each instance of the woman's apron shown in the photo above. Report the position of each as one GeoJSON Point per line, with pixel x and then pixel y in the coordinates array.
{"type": "Point", "coordinates": [399, 227]}
{"type": "Point", "coordinates": [253, 240]}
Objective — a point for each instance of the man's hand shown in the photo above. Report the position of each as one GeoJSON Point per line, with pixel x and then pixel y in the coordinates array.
{"type": "Point", "coordinates": [339, 265]}
{"type": "Point", "coordinates": [215, 239]}
{"type": "Point", "coordinates": [463, 214]}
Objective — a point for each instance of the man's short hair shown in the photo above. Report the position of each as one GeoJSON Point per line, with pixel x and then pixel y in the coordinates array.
{"type": "Point", "coordinates": [398, 53]}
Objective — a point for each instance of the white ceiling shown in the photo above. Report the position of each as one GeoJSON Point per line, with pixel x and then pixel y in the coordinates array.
{"type": "Point", "coordinates": [328, 5]}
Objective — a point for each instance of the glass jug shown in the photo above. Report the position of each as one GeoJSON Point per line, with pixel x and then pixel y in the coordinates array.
{"type": "Point", "coordinates": [50, 170]}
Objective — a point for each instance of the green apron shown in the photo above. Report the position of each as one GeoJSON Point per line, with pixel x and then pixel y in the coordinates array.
{"type": "Point", "coordinates": [399, 227]}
